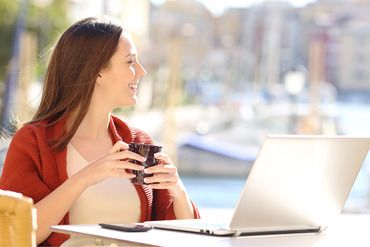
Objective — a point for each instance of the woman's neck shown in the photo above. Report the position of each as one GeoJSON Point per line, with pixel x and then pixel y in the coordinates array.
{"type": "Point", "coordinates": [94, 126]}
{"type": "Point", "coordinates": [92, 138]}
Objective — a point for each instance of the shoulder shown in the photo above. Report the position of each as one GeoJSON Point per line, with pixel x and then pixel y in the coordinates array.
{"type": "Point", "coordinates": [26, 138]}
{"type": "Point", "coordinates": [27, 131]}
{"type": "Point", "coordinates": [40, 132]}
{"type": "Point", "coordinates": [32, 128]}
{"type": "Point", "coordinates": [24, 148]}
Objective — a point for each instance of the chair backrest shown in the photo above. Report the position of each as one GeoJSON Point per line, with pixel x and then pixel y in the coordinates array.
{"type": "Point", "coordinates": [17, 220]}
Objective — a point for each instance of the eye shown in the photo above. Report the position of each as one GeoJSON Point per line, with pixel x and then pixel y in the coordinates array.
{"type": "Point", "coordinates": [132, 61]}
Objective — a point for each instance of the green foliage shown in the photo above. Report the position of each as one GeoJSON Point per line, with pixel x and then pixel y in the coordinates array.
{"type": "Point", "coordinates": [46, 22]}
{"type": "Point", "coordinates": [8, 15]}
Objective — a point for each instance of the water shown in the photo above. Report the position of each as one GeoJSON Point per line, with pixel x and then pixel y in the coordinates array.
{"type": "Point", "coordinates": [354, 118]}
{"type": "Point", "coordinates": [213, 192]}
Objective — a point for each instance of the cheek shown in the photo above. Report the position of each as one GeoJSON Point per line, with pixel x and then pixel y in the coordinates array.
{"type": "Point", "coordinates": [124, 77]}
{"type": "Point", "coordinates": [130, 73]}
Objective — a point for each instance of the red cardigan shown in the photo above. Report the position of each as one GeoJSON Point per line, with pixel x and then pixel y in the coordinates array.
{"type": "Point", "coordinates": [32, 168]}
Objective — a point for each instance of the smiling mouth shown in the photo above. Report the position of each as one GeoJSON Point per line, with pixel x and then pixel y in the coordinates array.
{"type": "Point", "coordinates": [133, 86]}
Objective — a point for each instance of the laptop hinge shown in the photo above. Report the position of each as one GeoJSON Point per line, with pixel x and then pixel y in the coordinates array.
{"type": "Point", "coordinates": [322, 228]}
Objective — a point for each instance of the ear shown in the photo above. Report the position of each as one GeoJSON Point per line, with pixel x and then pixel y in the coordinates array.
{"type": "Point", "coordinates": [99, 79]}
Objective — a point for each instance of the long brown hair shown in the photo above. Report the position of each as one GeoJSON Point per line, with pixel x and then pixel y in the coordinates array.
{"type": "Point", "coordinates": [82, 51]}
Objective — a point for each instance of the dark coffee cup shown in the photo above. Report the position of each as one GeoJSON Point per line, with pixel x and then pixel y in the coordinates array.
{"type": "Point", "coordinates": [148, 152]}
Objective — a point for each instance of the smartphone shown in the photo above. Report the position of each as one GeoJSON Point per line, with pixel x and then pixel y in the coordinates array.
{"type": "Point", "coordinates": [127, 227]}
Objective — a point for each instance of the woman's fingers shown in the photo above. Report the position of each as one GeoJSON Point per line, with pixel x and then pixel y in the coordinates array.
{"type": "Point", "coordinates": [161, 177]}
{"type": "Point", "coordinates": [122, 165]}
{"type": "Point", "coordinates": [121, 174]}
{"type": "Point", "coordinates": [163, 158]}
{"type": "Point", "coordinates": [119, 146]}
{"type": "Point", "coordinates": [161, 169]}
{"type": "Point", "coordinates": [124, 155]}
{"type": "Point", "coordinates": [120, 151]}
{"type": "Point", "coordinates": [164, 176]}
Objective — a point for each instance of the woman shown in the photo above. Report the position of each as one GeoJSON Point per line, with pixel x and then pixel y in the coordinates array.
{"type": "Point", "coordinates": [73, 156]}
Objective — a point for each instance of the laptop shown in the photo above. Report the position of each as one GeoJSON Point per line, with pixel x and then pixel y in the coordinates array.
{"type": "Point", "coordinates": [297, 184]}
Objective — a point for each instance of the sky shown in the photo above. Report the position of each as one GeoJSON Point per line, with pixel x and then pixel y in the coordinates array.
{"type": "Point", "coordinates": [218, 6]}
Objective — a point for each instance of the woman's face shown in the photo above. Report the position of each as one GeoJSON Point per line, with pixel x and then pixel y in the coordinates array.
{"type": "Point", "coordinates": [118, 82]}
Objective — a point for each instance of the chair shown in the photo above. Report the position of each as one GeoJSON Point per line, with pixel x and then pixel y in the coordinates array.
{"type": "Point", "coordinates": [17, 220]}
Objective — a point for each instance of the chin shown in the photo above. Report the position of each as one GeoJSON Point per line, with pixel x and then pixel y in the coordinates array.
{"type": "Point", "coordinates": [130, 103]}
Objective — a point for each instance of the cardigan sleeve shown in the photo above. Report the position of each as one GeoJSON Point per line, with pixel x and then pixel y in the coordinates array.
{"type": "Point", "coordinates": [30, 169]}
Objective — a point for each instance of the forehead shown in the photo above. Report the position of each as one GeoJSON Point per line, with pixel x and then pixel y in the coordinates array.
{"type": "Point", "coordinates": [126, 45]}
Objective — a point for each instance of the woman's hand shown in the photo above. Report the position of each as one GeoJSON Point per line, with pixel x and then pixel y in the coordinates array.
{"type": "Point", "coordinates": [113, 164]}
{"type": "Point", "coordinates": [165, 176]}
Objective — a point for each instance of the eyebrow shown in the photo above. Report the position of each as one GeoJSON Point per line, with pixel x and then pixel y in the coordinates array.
{"type": "Point", "coordinates": [131, 54]}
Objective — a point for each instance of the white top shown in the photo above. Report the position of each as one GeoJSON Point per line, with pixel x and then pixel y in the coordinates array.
{"type": "Point", "coordinates": [113, 200]}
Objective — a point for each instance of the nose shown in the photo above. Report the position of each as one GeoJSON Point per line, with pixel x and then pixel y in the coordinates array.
{"type": "Point", "coordinates": [140, 71]}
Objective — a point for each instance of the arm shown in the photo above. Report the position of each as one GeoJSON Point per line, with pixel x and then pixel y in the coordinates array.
{"type": "Point", "coordinates": [52, 209]}
{"type": "Point", "coordinates": [182, 206]}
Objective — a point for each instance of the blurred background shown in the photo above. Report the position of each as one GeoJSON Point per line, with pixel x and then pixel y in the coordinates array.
{"type": "Point", "coordinates": [222, 75]}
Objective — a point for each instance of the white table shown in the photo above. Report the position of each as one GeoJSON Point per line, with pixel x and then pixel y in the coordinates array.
{"type": "Point", "coordinates": [348, 230]}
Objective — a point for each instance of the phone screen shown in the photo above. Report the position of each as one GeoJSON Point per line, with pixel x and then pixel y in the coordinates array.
{"type": "Point", "coordinates": [127, 227]}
